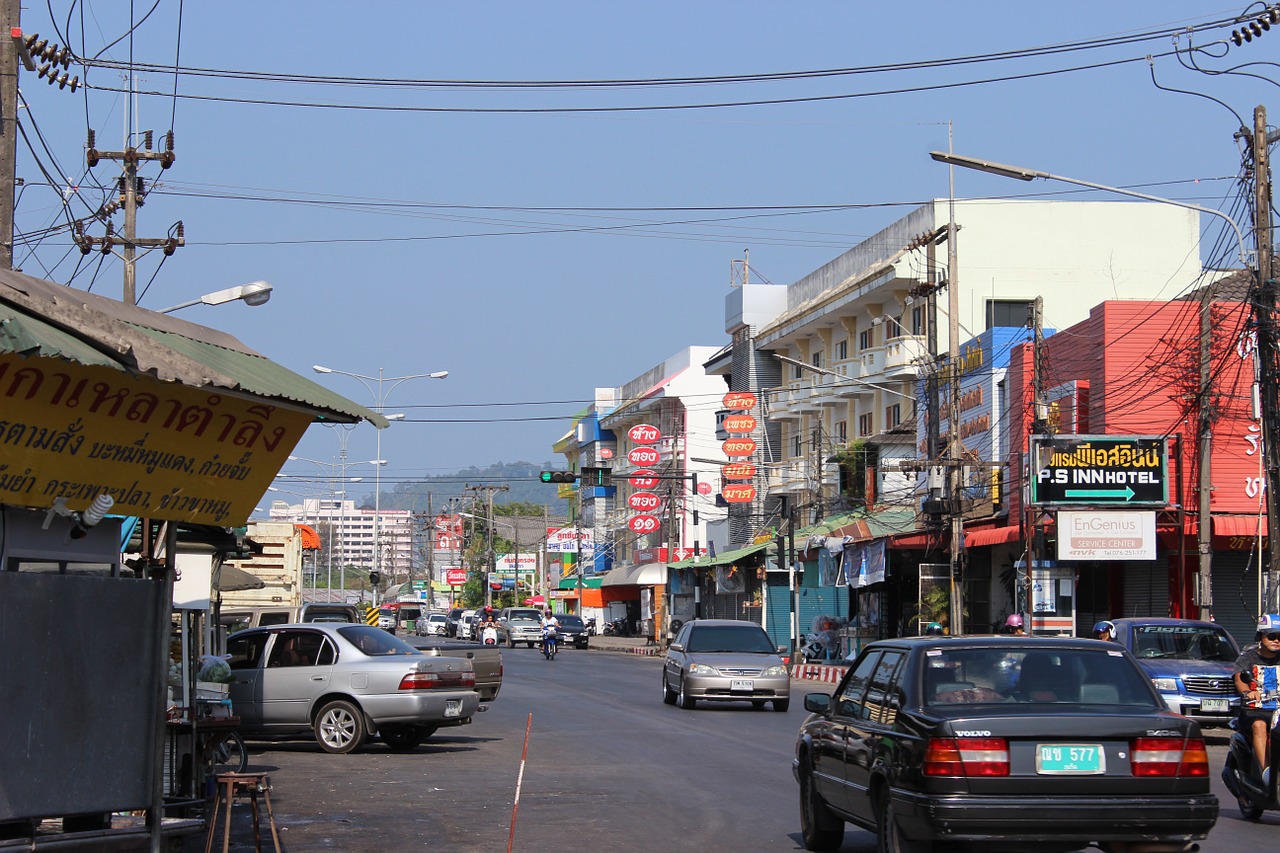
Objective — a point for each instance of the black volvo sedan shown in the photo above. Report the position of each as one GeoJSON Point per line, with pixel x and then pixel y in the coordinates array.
{"type": "Point", "coordinates": [1020, 743]}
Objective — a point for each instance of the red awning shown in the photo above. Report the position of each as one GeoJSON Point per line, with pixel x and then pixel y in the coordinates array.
{"type": "Point", "coordinates": [987, 536]}
{"type": "Point", "coordinates": [916, 541]}
{"type": "Point", "coordinates": [1238, 532]}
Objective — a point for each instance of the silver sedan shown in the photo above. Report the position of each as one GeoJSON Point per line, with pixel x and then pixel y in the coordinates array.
{"type": "Point", "coordinates": [345, 683]}
{"type": "Point", "coordinates": [724, 660]}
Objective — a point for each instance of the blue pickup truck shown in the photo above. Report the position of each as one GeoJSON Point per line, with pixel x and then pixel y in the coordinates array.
{"type": "Point", "coordinates": [1189, 662]}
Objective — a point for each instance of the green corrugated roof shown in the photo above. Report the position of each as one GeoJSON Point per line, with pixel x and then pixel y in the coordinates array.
{"type": "Point", "coordinates": [40, 318]}
{"type": "Point", "coordinates": [725, 559]}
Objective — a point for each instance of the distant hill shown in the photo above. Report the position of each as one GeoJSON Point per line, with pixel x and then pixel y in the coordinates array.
{"type": "Point", "coordinates": [520, 478]}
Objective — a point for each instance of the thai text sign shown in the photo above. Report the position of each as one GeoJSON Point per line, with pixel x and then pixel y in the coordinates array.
{"type": "Point", "coordinates": [455, 577]}
{"type": "Point", "coordinates": [1106, 535]}
{"type": "Point", "coordinates": [740, 401]}
{"type": "Point", "coordinates": [1099, 470]}
{"type": "Point", "coordinates": [568, 540]}
{"type": "Point", "coordinates": [644, 434]}
{"type": "Point", "coordinates": [159, 449]}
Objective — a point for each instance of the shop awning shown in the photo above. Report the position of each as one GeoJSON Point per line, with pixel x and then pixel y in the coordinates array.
{"type": "Point", "coordinates": [988, 536]}
{"type": "Point", "coordinates": [646, 574]}
{"type": "Point", "coordinates": [230, 579]}
{"type": "Point", "coordinates": [1246, 526]}
{"type": "Point", "coordinates": [922, 540]}
{"type": "Point", "coordinates": [726, 558]}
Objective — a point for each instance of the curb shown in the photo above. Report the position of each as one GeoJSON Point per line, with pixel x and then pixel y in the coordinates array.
{"type": "Point", "coordinates": [645, 651]}
{"type": "Point", "coordinates": [819, 672]}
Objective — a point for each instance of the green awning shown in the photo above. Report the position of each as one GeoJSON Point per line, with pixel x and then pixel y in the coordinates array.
{"type": "Point", "coordinates": [726, 558]}
{"type": "Point", "coordinates": [588, 582]}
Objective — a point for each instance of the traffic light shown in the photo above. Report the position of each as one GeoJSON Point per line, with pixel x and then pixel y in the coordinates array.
{"type": "Point", "coordinates": [595, 476]}
{"type": "Point", "coordinates": [558, 477]}
{"type": "Point", "coordinates": [375, 578]}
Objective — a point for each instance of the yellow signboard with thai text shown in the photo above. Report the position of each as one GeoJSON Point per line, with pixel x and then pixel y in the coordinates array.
{"type": "Point", "coordinates": [159, 449]}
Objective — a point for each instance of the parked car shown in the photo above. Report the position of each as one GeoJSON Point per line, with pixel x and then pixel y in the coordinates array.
{"type": "Point", "coordinates": [345, 683]}
{"type": "Point", "coordinates": [1012, 743]}
{"type": "Point", "coordinates": [724, 660]}
{"type": "Point", "coordinates": [523, 626]}
{"type": "Point", "coordinates": [451, 621]}
{"type": "Point", "coordinates": [1189, 662]}
{"type": "Point", "coordinates": [571, 632]}
{"type": "Point", "coordinates": [432, 625]}
{"type": "Point", "coordinates": [467, 625]}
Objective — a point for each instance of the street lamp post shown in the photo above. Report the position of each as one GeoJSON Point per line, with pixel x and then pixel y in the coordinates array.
{"type": "Point", "coordinates": [1270, 427]}
{"type": "Point", "coordinates": [254, 293]}
{"type": "Point", "coordinates": [373, 384]}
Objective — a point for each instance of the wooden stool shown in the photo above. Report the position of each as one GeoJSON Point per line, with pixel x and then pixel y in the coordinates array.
{"type": "Point", "coordinates": [230, 786]}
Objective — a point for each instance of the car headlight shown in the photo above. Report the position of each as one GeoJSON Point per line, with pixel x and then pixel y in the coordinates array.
{"type": "Point", "coordinates": [777, 669]}
{"type": "Point", "coordinates": [1166, 685]}
{"type": "Point", "coordinates": [701, 669]}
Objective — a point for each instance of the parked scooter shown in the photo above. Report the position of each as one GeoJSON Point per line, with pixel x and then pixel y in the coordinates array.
{"type": "Point", "coordinates": [1254, 794]}
{"type": "Point", "coordinates": [617, 628]}
{"type": "Point", "coordinates": [590, 624]}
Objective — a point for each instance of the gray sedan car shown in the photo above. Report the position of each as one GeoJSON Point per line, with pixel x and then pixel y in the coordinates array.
{"type": "Point", "coordinates": [724, 660]}
{"type": "Point", "coordinates": [345, 683]}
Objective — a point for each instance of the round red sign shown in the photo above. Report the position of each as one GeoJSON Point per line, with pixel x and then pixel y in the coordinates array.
{"type": "Point", "coordinates": [644, 501]}
{"type": "Point", "coordinates": [606, 453]}
{"type": "Point", "coordinates": [739, 400]}
{"type": "Point", "coordinates": [739, 494]}
{"type": "Point", "coordinates": [738, 447]}
{"type": "Point", "coordinates": [644, 524]}
{"type": "Point", "coordinates": [644, 456]}
{"type": "Point", "coordinates": [643, 480]}
{"type": "Point", "coordinates": [704, 488]}
{"type": "Point", "coordinates": [644, 434]}
{"type": "Point", "coordinates": [739, 424]}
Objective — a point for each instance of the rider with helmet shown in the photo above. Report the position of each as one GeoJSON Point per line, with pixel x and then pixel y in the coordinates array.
{"type": "Point", "coordinates": [1256, 679]}
{"type": "Point", "coordinates": [1013, 625]}
{"type": "Point", "coordinates": [1105, 630]}
{"type": "Point", "coordinates": [933, 629]}
{"type": "Point", "coordinates": [550, 627]}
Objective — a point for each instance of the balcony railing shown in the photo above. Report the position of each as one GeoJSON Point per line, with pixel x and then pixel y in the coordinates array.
{"type": "Point", "coordinates": [904, 357]}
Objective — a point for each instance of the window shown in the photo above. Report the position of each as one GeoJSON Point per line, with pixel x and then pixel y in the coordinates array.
{"type": "Point", "coordinates": [797, 445]}
{"type": "Point", "coordinates": [815, 440]}
{"type": "Point", "coordinates": [797, 372]}
{"type": "Point", "coordinates": [892, 416]}
{"type": "Point", "coordinates": [842, 431]}
{"type": "Point", "coordinates": [1008, 313]}
{"type": "Point", "coordinates": [849, 700]}
{"type": "Point", "coordinates": [892, 328]}
{"type": "Point", "coordinates": [842, 350]}
{"type": "Point", "coordinates": [864, 339]}
{"type": "Point", "coordinates": [918, 321]}
{"type": "Point", "coordinates": [816, 359]}
{"type": "Point", "coordinates": [866, 424]}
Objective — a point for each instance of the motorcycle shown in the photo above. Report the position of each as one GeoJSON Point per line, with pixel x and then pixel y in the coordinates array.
{"type": "Point", "coordinates": [590, 624]}
{"type": "Point", "coordinates": [549, 643]}
{"type": "Point", "coordinates": [1254, 793]}
{"type": "Point", "coordinates": [617, 628]}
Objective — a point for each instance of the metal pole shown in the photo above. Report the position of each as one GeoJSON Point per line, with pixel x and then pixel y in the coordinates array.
{"type": "Point", "coordinates": [955, 448]}
{"type": "Point", "coordinates": [11, 12]}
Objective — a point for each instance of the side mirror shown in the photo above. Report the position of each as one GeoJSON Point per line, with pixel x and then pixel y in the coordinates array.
{"type": "Point", "coordinates": [817, 703]}
{"type": "Point", "coordinates": [676, 647]}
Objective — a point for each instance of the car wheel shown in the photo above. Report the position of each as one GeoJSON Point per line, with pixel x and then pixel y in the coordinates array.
{"type": "Point", "coordinates": [531, 644]}
{"type": "Point", "coordinates": [404, 737]}
{"type": "Point", "coordinates": [757, 704]}
{"type": "Point", "coordinates": [340, 727]}
{"type": "Point", "coordinates": [685, 700]}
{"type": "Point", "coordinates": [819, 828]}
{"type": "Point", "coordinates": [889, 838]}
{"type": "Point", "coordinates": [781, 705]}
{"type": "Point", "coordinates": [668, 695]}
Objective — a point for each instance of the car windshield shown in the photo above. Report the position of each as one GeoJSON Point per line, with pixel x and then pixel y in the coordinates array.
{"type": "Point", "coordinates": [437, 617]}
{"type": "Point", "coordinates": [749, 639]}
{"type": "Point", "coordinates": [1020, 676]}
{"type": "Point", "coordinates": [1182, 642]}
{"type": "Point", "coordinates": [376, 642]}
{"type": "Point", "coordinates": [568, 621]}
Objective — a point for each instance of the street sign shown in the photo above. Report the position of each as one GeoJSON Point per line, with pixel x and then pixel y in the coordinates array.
{"type": "Point", "coordinates": [1099, 470]}
{"type": "Point", "coordinates": [455, 577]}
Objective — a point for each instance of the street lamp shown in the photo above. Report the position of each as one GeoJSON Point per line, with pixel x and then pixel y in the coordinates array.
{"type": "Point", "coordinates": [254, 293]}
{"type": "Point", "coordinates": [379, 406]}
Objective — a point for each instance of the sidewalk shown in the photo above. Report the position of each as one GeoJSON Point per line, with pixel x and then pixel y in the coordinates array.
{"type": "Point", "coordinates": [810, 673]}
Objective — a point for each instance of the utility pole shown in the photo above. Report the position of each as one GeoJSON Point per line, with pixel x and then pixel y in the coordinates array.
{"type": "Point", "coordinates": [11, 11]}
{"type": "Point", "coordinates": [132, 195]}
{"type": "Point", "coordinates": [431, 554]}
{"type": "Point", "coordinates": [1036, 556]}
{"type": "Point", "coordinates": [490, 557]}
{"type": "Point", "coordinates": [1265, 320]}
{"type": "Point", "coordinates": [1204, 586]}
{"type": "Point", "coordinates": [955, 473]}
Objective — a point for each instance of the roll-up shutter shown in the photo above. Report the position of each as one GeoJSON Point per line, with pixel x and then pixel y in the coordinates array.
{"type": "Point", "coordinates": [1146, 589]}
{"type": "Point", "coordinates": [1235, 593]}
{"type": "Point", "coordinates": [814, 602]}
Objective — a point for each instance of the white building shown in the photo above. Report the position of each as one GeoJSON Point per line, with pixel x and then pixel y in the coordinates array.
{"type": "Point", "coordinates": [348, 531]}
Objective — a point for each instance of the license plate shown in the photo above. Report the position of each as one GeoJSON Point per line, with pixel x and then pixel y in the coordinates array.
{"type": "Point", "coordinates": [1215, 706]}
{"type": "Point", "coordinates": [1070, 759]}
{"type": "Point", "coordinates": [741, 684]}
{"type": "Point", "coordinates": [453, 707]}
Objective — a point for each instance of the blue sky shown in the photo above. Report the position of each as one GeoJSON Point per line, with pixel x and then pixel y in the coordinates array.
{"type": "Point", "coordinates": [540, 253]}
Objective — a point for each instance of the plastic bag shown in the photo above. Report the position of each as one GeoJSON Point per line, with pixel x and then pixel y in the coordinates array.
{"type": "Point", "coordinates": [215, 668]}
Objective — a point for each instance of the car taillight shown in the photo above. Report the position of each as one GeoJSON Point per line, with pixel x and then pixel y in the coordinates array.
{"type": "Point", "coordinates": [1169, 756]}
{"type": "Point", "coordinates": [966, 756]}
{"type": "Point", "coordinates": [437, 680]}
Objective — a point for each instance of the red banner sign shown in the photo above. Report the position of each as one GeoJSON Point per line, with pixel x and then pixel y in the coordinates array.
{"type": "Point", "coordinates": [738, 447]}
{"type": "Point", "coordinates": [738, 471]}
{"type": "Point", "coordinates": [644, 524]}
{"type": "Point", "coordinates": [644, 434]}
{"type": "Point", "coordinates": [739, 424]}
{"type": "Point", "coordinates": [644, 501]}
{"type": "Point", "coordinates": [644, 456]}
{"type": "Point", "coordinates": [455, 577]}
{"type": "Point", "coordinates": [739, 401]}
{"type": "Point", "coordinates": [739, 494]}
{"type": "Point", "coordinates": [643, 480]}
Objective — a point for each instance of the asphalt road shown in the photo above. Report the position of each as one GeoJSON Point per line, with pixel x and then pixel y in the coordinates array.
{"type": "Point", "coordinates": [608, 766]}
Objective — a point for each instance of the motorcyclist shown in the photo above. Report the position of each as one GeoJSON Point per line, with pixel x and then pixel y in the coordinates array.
{"type": "Point", "coordinates": [933, 629]}
{"type": "Point", "coordinates": [1105, 630]}
{"type": "Point", "coordinates": [550, 626]}
{"type": "Point", "coordinates": [1013, 625]}
{"type": "Point", "coordinates": [1256, 682]}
